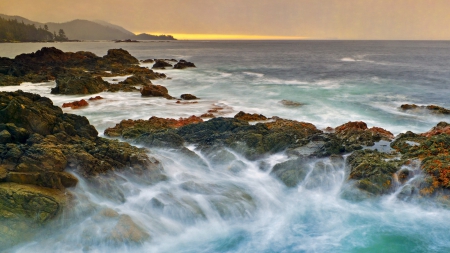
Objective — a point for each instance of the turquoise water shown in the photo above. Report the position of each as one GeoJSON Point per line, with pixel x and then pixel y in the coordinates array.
{"type": "Point", "coordinates": [209, 207]}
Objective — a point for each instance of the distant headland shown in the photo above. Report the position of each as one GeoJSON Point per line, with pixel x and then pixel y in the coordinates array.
{"type": "Point", "coordinates": [20, 29]}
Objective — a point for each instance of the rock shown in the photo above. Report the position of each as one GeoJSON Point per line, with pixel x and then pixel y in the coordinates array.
{"type": "Point", "coordinates": [441, 128]}
{"type": "Point", "coordinates": [95, 98]}
{"type": "Point", "coordinates": [148, 61]}
{"type": "Point", "coordinates": [182, 64]}
{"type": "Point", "coordinates": [5, 136]}
{"type": "Point", "coordinates": [356, 134]}
{"type": "Point", "coordinates": [120, 56]}
{"type": "Point", "coordinates": [50, 63]}
{"type": "Point", "coordinates": [432, 108]}
{"type": "Point", "coordinates": [151, 90]}
{"type": "Point", "coordinates": [161, 64]}
{"type": "Point", "coordinates": [79, 83]}
{"type": "Point", "coordinates": [188, 97]}
{"type": "Point", "coordinates": [41, 142]}
{"type": "Point", "coordinates": [24, 208]}
{"type": "Point", "coordinates": [135, 128]}
{"type": "Point", "coordinates": [126, 230]}
{"type": "Point", "coordinates": [291, 172]}
{"type": "Point", "coordinates": [290, 103]}
{"type": "Point", "coordinates": [250, 117]}
{"type": "Point", "coordinates": [76, 104]}
{"type": "Point", "coordinates": [207, 115]}
{"type": "Point", "coordinates": [373, 171]}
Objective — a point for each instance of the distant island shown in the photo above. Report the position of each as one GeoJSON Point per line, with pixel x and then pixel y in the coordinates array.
{"type": "Point", "coordinates": [20, 29]}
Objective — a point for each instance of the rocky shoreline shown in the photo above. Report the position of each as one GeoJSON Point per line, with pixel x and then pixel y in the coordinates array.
{"type": "Point", "coordinates": [44, 152]}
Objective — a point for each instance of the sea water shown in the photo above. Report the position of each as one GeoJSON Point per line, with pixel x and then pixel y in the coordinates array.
{"type": "Point", "coordinates": [211, 207]}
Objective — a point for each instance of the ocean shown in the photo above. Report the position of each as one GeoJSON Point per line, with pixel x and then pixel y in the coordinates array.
{"type": "Point", "coordinates": [329, 83]}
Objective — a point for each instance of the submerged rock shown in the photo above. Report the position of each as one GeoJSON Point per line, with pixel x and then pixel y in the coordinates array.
{"type": "Point", "coordinates": [431, 108]}
{"type": "Point", "coordinates": [188, 97]}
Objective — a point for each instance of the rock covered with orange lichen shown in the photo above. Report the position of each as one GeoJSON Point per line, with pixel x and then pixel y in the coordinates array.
{"type": "Point", "coordinates": [76, 104]}
{"type": "Point", "coordinates": [250, 117]}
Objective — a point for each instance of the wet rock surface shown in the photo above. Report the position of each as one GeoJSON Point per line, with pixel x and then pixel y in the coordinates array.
{"type": "Point", "coordinates": [40, 148]}
{"type": "Point", "coordinates": [182, 64]}
{"type": "Point", "coordinates": [430, 108]}
{"type": "Point", "coordinates": [75, 73]}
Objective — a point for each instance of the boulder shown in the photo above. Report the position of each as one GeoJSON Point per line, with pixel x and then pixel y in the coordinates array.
{"type": "Point", "coordinates": [161, 64]}
{"type": "Point", "coordinates": [431, 108]}
{"type": "Point", "coordinates": [131, 129]}
{"type": "Point", "coordinates": [40, 144]}
{"type": "Point", "coordinates": [250, 117]}
{"type": "Point", "coordinates": [151, 90]}
{"type": "Point", "coordinates": [182, 64]}
{"type": "Point", "coordinates": [76, 104]}
{"type": "Point", "coordinates": [148, 61]}
{"type": "Point", "coordinates": [355, 135]}
{"type": "Point", "coordinates": [79, 83]}
{"type": "Point", "coordinates": [188, 97]}
{"type": "Point", "coordinates": [373, 171]}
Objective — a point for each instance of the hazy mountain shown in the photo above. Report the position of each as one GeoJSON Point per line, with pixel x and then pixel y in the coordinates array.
{"type": "Point", "coordinates": [20, 19]}
{"type": "Point", "coordinates": [104, 23]}
{"type": "Point", "coordinates": [91, 30]}
{"type": "Point", "coordinates": [88, 30]}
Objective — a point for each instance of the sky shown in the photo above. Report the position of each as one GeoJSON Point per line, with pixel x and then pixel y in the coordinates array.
{"type": "Point", "coordinates": [254, 19]}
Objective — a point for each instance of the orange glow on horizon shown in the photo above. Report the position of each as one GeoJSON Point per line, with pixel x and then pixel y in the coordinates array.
{"type": "Point", "coordinates": [187, 36]}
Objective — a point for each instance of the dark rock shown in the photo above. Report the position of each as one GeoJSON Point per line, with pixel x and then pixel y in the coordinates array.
{"type": "Point", "coordinates": [120, 56]}
{"type": "Point", "coordinates": [432, 108]}
{"type": "Point", "coordinates": [148, 61]}
{"type": "Point", "coordinates": [182, 64]}
{"type": "Point", "coordinates": [250, 117]}
{"type": "Point", "coordinates": [42, 143]}
{"type": "Point", "coordinates": [188, 97]}
{"type": "Point", "coordinates": [373, 171]}
{"type": "Point", "coordinates": [131, 129]}
{"type": "Point", "coordinates": [290, 103]}
{"type": "Point", "coordinates": [291, 172]}
{"type": "Point", "coordinates": [160, 64]}
{"type": "Point", "coordinates": [151, 90]}
{"type": "Point", "coordinates": [79, 83]}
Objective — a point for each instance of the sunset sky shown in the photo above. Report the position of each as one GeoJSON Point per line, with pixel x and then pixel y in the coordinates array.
{"type": "Point", "coordinates": [253, 19]}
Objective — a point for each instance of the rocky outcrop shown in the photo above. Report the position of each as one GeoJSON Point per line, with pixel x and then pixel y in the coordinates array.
{"type": "Point", "coordinates": [373, 171]}
{"type": "Point", "coordinates": [148, 61]}
{"type": "Point", "coordinates": [161, 64]}
{"type": "Point", "coordinates": [355, 135]}
{"type": "Point", "coordinates": [79, 83]}
{"type": "Point", "coordinates": [290, 103]}
{"type": "Point", "coordinates": [250, 117]}
{"type": "Point", "coordinates": [40, 147]}
{"type": "Point", "coordinates": [188, 97]}
{"type": "Point", "coordinates": [182, 64]}
{"type": "Point", "coordinates": [75, 73]}
{"type": "Point", "coordinates": [254, 141]}
{"type": "Point", "coordinates": [131, 129]}
{"type": "Point", "coordinates": [431, 108]}
{"type": "Point", "coordinates": [151, 90]}
{"type": "Point", "coordinates": [76, 104]}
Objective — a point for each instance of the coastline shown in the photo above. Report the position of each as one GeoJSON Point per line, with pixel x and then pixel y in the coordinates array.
{"type": "Point", "coordinates": [219, 139]}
